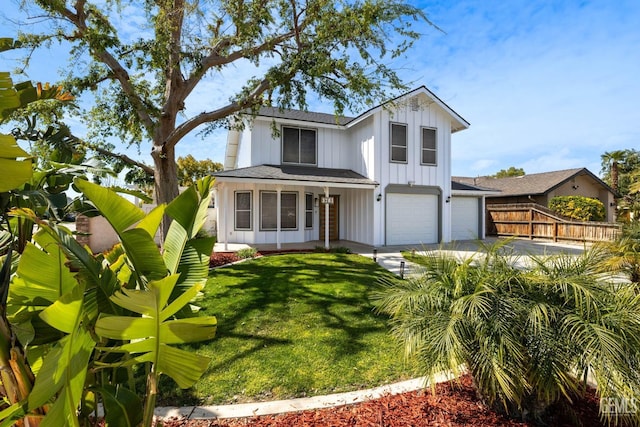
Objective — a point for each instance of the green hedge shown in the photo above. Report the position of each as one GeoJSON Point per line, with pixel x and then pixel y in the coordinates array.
{"type": "Point", "coordinates": [578, 207]}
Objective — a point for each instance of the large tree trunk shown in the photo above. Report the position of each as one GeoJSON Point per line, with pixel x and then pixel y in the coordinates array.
{"type": "Point", "coordinates": [166, 180]}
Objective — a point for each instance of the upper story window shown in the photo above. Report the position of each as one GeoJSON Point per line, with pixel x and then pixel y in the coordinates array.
{"type": "Point", "coordinates": [299, 146]}
{"type": "Point", "coordinates": [429, 145]}
{"type": "Point", "coordinates": [398, 140]}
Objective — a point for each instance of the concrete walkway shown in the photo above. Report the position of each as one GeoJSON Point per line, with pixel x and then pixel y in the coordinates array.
{"type": "Point", "coordinates": [390, 258]}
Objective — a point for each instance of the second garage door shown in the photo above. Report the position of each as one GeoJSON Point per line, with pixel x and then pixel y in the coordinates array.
{"type": "Point", "coordinates": [412, 219]}
{"type": "Point", "coordinates": [464, 218]}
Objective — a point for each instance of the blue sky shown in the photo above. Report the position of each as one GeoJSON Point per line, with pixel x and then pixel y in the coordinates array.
{"type": "Point", "coordinates": [546, 85]}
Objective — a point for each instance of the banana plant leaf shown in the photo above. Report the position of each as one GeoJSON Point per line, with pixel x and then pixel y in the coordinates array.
{"type": "Point", "coordinates": [185, 253]}
{"type": "Point", "coordinates": [150, 336]}
{"type": "Point", "coordinates": [138, 243]}
{"type": "Point", "coordinates": [120, 212]}
{"type": "Point", "coordinates": [41, 279]}
{"type": "Point", "coordinates": [14, 172]}
{"type": "Point", "coordinates": [122, 407]}
{"type": "Point", "coordinates": [9, 99]}
{"type": "Point", "coordinates": [64, 367]}
{"type": "Point", "coordinates": [10, 415]}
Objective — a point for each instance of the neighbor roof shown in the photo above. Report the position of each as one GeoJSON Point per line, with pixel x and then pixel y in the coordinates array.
{"type": "Point", "coordinates": [297, 173]}
{"type": "Point", "coordinates": [531, 184]}
{"type": "Point", "coordinates": [460, 186]}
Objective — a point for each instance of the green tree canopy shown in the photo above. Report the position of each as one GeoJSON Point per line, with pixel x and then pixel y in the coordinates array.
{"type": "Point", "coordinates": [338, 51]}
{"type": "Point", "coordinates": [621, 171]}
{"type": "Point", "coordinates": [505, 173]}
{"type": "Point", "coordinates": [190, 169]}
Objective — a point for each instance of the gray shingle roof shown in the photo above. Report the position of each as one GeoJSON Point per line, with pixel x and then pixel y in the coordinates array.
{"type": "Point", "coordinates": [306, 116]}
{"type": "Point", "coordinates": [297, 173]}
{"type": "Point", "coordinates": [467, 187]}
{"type": "Point", "coordinates": [458, 122]}
{"type": "Point", "coordinates": [532, 184]}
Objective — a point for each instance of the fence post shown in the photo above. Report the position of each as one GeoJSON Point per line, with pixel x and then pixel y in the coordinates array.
{"type": "Point", "coordinates": [531, 213]}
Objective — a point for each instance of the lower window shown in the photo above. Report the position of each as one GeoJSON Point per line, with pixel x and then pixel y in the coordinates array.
{"type": "Point", "coordinates": [308, 210]}
{"type": "Point", "coordinates": [243, 210]}
{"type": "Point", "coordinates": [269, 211]}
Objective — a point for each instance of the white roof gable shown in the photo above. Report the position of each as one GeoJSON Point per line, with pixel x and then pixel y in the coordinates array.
{"type": "Point", "coordinates": [458, 123]}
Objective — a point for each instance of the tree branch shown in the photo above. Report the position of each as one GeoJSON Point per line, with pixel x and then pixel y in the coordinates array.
{"type": "Point", "coordinates": [220, 113]}
{"type": "Point", "coordinates": [173, 93]}
{"type": "Point", "coordinates": [123, 157]}
{"type": "Point", "coordinates": [214, 59]}
{"type": "Point", "coordinates": [78, 19]}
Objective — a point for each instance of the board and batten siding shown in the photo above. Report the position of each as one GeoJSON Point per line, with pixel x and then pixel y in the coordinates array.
{"type": "Point", "coordinates": [333, 145]}
{"type": "Point", "coordinates": [355, 215]}
{"type": "Point", "coordinates": [244, 149]}
{"type": "Point", "coordinates": [255, 235]}
{"type": "Point", "coordinates": [362, 143]}
{"type": "Point", "coordinates": [413, 172]}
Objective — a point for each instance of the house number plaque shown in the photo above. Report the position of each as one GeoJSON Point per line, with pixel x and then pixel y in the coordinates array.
{"type": "Point", "coordinates": [326, 200]}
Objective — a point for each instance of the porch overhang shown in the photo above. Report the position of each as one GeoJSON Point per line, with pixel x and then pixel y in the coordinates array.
{"type": "Point", "coordinates": [296, 176]}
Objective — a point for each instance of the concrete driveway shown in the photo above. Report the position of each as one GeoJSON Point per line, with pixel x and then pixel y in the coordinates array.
{"type": "Point", "coordinates": [390, 257]}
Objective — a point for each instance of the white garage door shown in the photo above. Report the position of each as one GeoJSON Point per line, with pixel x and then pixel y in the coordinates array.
{"type": "Point", "coordinates": [412, 219]}
{"type": "Point", "coordinates": [464, 218]}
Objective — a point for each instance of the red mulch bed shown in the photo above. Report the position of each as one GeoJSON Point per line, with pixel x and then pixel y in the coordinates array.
{"type": "Point", "coordinates": [452, 405]}
{"type": "Point", "coordinates": [218, 259]}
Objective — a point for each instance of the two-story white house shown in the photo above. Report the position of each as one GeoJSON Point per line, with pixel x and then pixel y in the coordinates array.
{"type": "Point", "coordinates": [382, 178]}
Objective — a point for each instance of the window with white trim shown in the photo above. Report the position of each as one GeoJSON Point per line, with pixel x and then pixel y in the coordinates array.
{"type": "Point", "coordinates": [299, 146]}
{"type": "Point", "coordinates": [308, 210]}
{"type": "Point", "coordinates": [269, 210]}
{"type": "Point", "coordinates": [429, 147]}
{"type": "Point", "coordinates": [398, 138]}
{"type": "Point", "coordinates": [243, 210]}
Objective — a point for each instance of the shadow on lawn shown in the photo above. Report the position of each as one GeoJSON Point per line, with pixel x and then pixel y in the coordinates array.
{"type": "Point", "coordinates": [311, 287]}
{"type": "Point", "coordinates": [319, 294]}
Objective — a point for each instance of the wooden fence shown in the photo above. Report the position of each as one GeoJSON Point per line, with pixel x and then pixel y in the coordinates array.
{"type": "Point", "coordinates": [535, 221]}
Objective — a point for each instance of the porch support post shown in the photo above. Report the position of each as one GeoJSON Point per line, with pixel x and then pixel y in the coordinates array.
{"type": "Point", "coordinates": [278, 216]}
{"type": "Point", "coordinates": [326, 220]}
{"type": "Point", "coordinates": [225, 203]}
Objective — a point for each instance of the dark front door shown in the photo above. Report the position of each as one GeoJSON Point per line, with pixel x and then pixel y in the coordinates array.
{"type": "Point", "coordinates": [334, 220]}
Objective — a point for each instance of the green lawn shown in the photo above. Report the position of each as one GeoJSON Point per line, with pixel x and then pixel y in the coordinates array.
{"type": "Point", "coordinates": [294, 325]}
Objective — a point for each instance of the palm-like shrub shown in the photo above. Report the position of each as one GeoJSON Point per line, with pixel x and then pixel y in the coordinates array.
{"type": "Point", "coordinates": [527, 335]}
{"type": "Point", "coordinates": [624, 253]}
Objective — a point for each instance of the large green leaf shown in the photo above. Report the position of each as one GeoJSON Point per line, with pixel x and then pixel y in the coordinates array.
{"type": "Point", "coordinates": [120, 212]}
{"type": "Point", "coordinates": [189, 211]}
{"type": "Point", "coordinates": [143, 254]}
{"type": "Point", "coordinates": [10, 415]}
{"type": "Point", "coordinates": [122, 407]}
{"type": "Point", "coordinates": [152, 221]}
{"type": "Point", "coordinates": [9, 99]}
{"type": "Point", "coordinates": [42, 277]}
{"type": "Point", "coordinates": [150, 335]}
{"type": "Point", "coordinates": [64, 368]}
{"type": "Point", "coordinates": [14, 172]}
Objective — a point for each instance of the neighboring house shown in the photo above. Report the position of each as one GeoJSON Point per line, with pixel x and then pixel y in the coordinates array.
{"type": "Point", "coordinates": [99, 235]}
{"type": "Point", "coordinates": [540, 188]}
{"type": "Point", "coordinates": [382, 178]}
